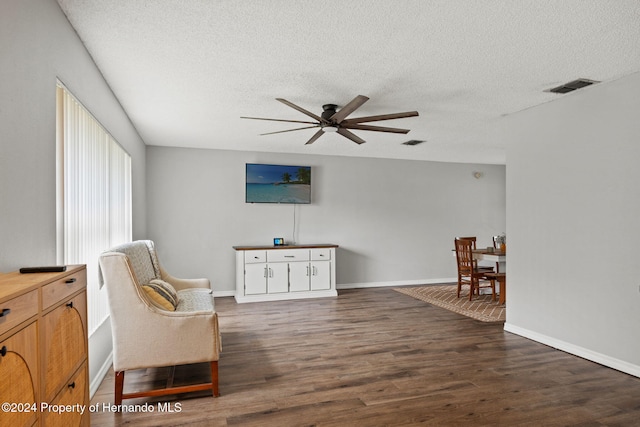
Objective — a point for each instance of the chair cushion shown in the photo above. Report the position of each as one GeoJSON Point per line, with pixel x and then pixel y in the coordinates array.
{"type": "Point", "coordinates": [192, 300]}
{"type": "Point", "coordinates": [162, 294]}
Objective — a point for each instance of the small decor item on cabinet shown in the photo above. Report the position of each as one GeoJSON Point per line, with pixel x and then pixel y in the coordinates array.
{"type": "Point", "coordinates": [278, 241]}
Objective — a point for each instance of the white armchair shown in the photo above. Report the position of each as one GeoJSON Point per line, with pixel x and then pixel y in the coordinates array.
{"type": "Point", "coordinates": [155, 324]}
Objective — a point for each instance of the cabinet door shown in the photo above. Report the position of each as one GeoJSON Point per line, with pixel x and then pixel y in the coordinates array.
{"type": "Point", "coordinates": [278, 278]}
{"type": "Point", "coordinates": [255, 279]}
{"type": "Point", "coordinates": [65, 344]}
{"type": "Point", "coordinates": [19, 374]}
{"type": "Point", "coordinates": [320, 275]}
{"type": "Point", "coordinates": [299, 274]}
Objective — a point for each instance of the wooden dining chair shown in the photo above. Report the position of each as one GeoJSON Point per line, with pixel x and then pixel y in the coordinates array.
{"type": "Point", "coordinates": [473, 247]}
{"type": "Point", "coordinates": [468, 272]}
{"type": "Point", "coordinates": [496, 245]}
{"type": "Point", "coordinates": [502, 281]}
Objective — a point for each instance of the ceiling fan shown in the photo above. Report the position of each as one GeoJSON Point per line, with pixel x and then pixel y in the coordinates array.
{"type": "Point", "coordinates": [336, 121]}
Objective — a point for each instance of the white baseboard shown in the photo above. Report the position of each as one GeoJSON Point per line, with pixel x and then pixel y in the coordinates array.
{"type": "Point", "coordinates": [585, 353]}
{"type": "Point", "coordinates": [285, 296]}
{"type": "Point", "coordinates": [396, 283]}
{"type": "Point", "coordinates": [220, 294]}
{"type": "Point", "coordinates": [102, 372]}
{"type": "Point", "coordinates": [232, 293]}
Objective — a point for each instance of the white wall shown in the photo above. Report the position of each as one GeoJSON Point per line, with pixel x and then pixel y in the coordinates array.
{"type": "Point", "coordinates": [395, 220]}
{"type": "Point", "coordinates": [38, 45]}
{"type": "Point", "coordinates": [573, 209]}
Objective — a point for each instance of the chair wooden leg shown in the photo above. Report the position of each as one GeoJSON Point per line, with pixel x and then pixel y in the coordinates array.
{"type": "Point", "coordinates": [119, 386]}
{"type": "Point", "coordinates": [214, 379]}
{"type": "Point", "coordinates": [493, 290]}
{"type": "Point", "coordinates": [169, 390]}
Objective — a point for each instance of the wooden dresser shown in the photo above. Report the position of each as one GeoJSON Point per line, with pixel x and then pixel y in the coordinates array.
{"type": "Point", "coordinates": [43, 349]}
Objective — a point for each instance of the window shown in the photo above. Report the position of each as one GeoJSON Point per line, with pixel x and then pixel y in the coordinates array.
{"type": "Point", "coordinates": [93, 196]}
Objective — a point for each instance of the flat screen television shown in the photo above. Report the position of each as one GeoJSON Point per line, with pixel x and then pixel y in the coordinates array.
{"type": "Point", "coordinates": [278, 184]}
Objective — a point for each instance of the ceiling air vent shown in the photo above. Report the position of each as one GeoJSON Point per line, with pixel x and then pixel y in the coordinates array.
{"type": "Point", "coordinates": [571, 86]}
{"type": "Point", "coordinates": [413, 142]}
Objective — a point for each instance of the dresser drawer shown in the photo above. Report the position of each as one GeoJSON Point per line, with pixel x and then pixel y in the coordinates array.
{"type": "Point", "coordinates": [251, 257]}
{"type": "Point", "coordinates": [62, 288]}
{"type": "Point", "coordinates": [321, 254]}
{"type": "Point", "coordinates": [73, 393]}
{"type": "Point", "coordinates": [17, 310]}
{"type": "Point", "coordinates": [282, 255]}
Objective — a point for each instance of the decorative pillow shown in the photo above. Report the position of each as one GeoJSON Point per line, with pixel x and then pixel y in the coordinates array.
{"type": "Point", "coordinates": [162, 294]}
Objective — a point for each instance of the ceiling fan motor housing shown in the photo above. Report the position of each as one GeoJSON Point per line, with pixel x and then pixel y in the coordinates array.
{"type": "Point", "coordinates": [329, 110]}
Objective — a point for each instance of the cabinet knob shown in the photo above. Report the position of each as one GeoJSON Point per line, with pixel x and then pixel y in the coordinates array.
{"type": "Point", "coordinates": [72, 385]}
{"type": "Point", "coordinates": [69, 304]}
{"type": "Point", "coordinates": [5, 311]}
{"type": "Point", "coordinates": [3, 351]}
{"type": "Point", "coordinates": [70, 281]}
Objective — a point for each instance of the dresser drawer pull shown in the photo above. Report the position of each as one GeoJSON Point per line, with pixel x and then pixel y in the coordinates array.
{"type": "Point", "coordinates": [70, 281]}
{"type": "Point", "coordinates": [5, 311]}
{"type": "Point", "coordinates": [72, 385]}
{"type": "Point", "coordinates": [69, 304]}
{"type": "Point", "coordinates": [3, 351]}
{"type": "Point", "coordinates": [289, 256]}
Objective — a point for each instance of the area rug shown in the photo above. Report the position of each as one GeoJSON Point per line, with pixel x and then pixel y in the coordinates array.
{"type": "Point", "coordinates": [480, 308]}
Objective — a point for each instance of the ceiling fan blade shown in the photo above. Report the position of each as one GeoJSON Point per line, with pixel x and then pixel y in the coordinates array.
{"type": "Point", "coordinates": [382, 117]}
{"type": "Point", "coordinates": [302, 110]}
{"type": "Point", "coordinates": [278, 120]}
{"type": "Point", "coordinates": [373, 128]}
{"type": "Point", "coordinates": [348, 109]}
{"type": "Point", "coordinates": [351, 136]}
{"type": "Point", "coordinates": [289, 130]}
{"type": "Point", "coordinates": [314, 137]}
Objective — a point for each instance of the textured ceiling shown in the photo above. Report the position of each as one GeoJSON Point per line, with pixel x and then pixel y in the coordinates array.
{"type": "Point", "coordinates": [185, 71]}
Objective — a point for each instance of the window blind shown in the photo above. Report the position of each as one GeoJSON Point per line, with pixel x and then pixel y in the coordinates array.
{"type": "Point", "coordinates": [93, 196]}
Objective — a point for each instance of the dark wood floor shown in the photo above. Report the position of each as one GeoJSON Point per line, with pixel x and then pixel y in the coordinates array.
{"type": "Point", "coordinates": [375, 357]}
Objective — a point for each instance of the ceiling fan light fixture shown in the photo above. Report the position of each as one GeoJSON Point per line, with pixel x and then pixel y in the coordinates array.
{"type": "Point", "coordinates": [329, 129]}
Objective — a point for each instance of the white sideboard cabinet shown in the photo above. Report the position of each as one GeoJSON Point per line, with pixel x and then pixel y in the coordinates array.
{"type": "Point", "coordinates": [270, 273]}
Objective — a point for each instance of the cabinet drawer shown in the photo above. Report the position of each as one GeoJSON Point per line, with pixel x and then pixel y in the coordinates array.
{"type": "Point", "coordinates": [17, 310]}
{"type": "Point", "coordinates": [73, 393]}
{"type": "Point", "coordinates": [61, 289]}
{"type": "Point", "coordinates": [251, 257]}
{"type": "Point", "coordinates": [281, 255]}
{"type": "Point", "coordinates": [320, 254]}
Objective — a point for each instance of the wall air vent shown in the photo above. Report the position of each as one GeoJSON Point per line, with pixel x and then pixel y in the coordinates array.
{"type": "Point", "coordinates": [571, 86]}
{"type": "Point", "coordinates": [413, 142]}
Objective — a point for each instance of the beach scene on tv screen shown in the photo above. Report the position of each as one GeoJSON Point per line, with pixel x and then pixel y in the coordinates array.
{"type": "Point", "coordinates": [278, 184]}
